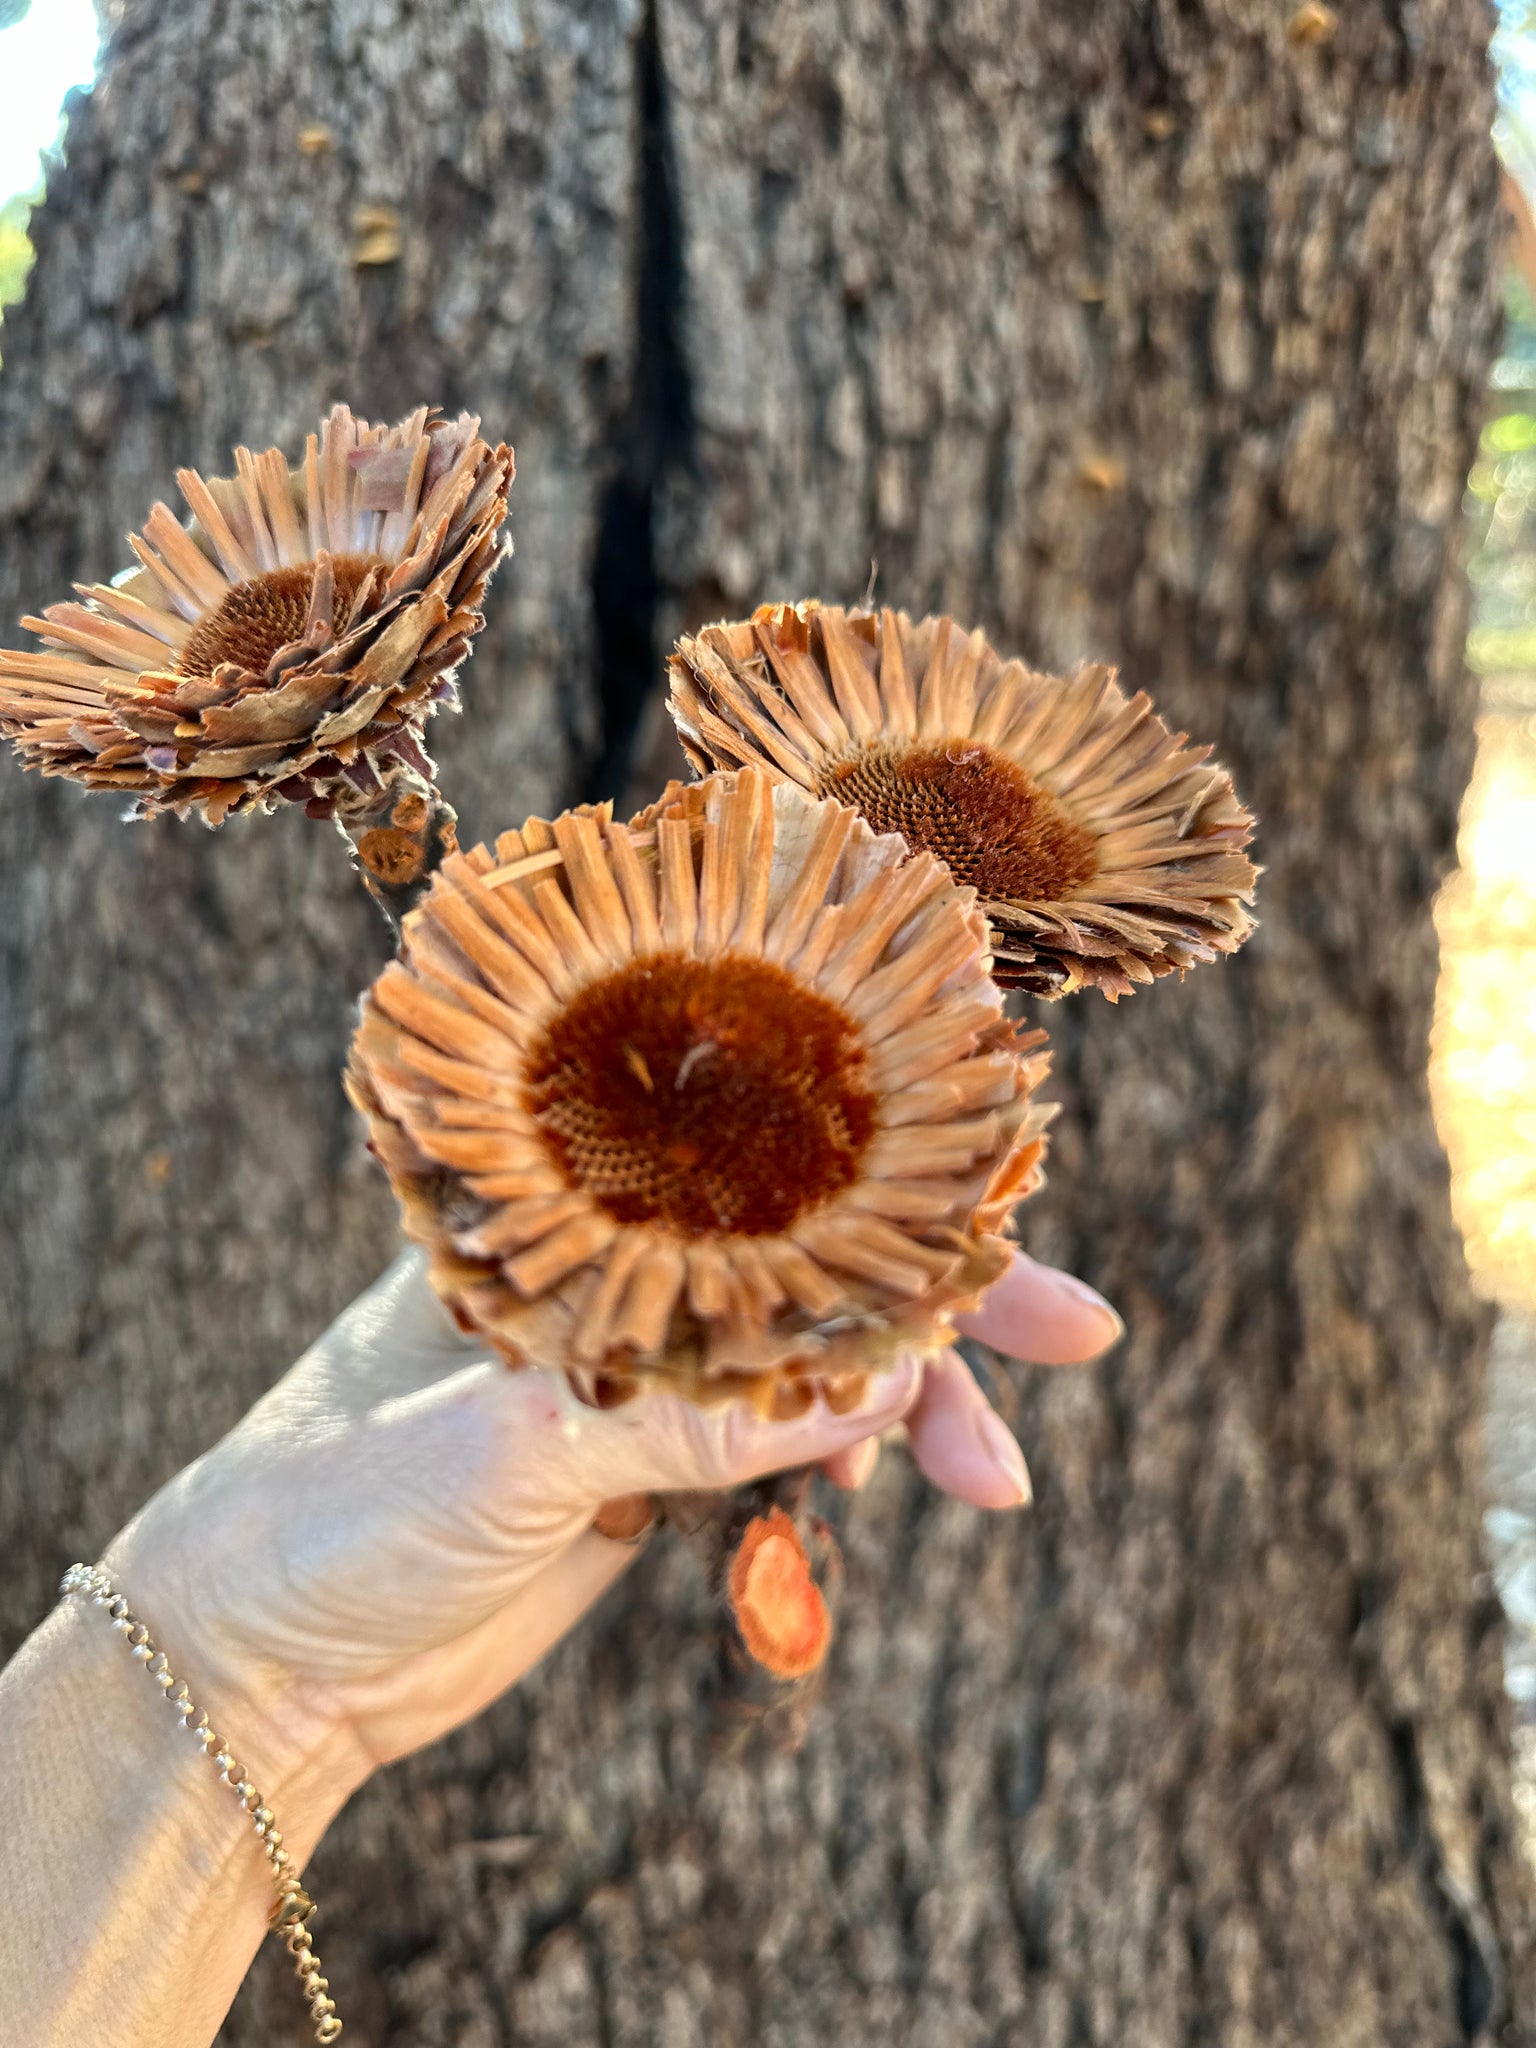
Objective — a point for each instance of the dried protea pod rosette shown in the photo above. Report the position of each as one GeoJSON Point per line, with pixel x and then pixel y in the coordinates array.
{"type": "Point", "coordinates": [1105, 850]}
{"type": "Point", "coordinates": [288, 644]}
{"type": "Point", "coordinates": [722, 1104]}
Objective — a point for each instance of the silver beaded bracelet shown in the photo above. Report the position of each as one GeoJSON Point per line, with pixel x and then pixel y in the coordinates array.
{"type": "Point", "coordinates": [294, 1907]}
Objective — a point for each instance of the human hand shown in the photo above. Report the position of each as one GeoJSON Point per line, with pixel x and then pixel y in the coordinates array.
{"type": "Point", "coordinates": [402, 1526]}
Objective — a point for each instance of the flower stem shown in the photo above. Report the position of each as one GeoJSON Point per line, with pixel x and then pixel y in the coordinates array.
{"type": "Point", "coordinates": [776, 1571]}
{"type": "Point", "coordinates": [399, 831]}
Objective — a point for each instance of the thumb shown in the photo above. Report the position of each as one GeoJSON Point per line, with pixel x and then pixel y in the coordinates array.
{"type": "Point", "coordinates": [660, 1444]}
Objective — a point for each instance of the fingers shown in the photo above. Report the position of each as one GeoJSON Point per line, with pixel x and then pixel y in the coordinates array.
{"type": "Point", "coordinates": [659, 1444]}
{"type": "Point", "coordinates": [851, 1468]}
{"type": "Point", "coordinates": [961, 1443]}
{"type": "Point", "coordinates": [395, 1356]}
{"type": "Point", "coordinates": [416, 1316]}
{"type": "Point", "coordinates": [1048, 1318]}
{"type": "Point", "coordinates": [398, 1338]}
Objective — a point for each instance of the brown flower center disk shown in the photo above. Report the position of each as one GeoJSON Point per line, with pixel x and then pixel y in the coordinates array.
{"type": "Point", "coordinates": [269, 612]}
{"type": "Point", "coordinates": [990, 823]}
{"type": "Point", "coordinates": [714, 1096]}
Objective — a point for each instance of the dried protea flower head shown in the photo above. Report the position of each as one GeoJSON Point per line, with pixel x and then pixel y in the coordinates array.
{"type": "Point", "coordinates": [722, 1101]}
{"type": "Point", "coordinates": [1105, 851]}
{"type": "Point", "coordinates": [290, 643]}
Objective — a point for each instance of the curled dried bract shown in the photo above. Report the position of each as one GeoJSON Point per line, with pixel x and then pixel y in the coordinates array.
{"type": "Point", "coordinates": [722, 1103]}
{"type": "Point", "coordinates": [1106, 852]}
{"type": "Point", "coordinates": [290, 643]}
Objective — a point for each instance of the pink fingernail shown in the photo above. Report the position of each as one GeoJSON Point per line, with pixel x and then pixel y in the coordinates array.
{"type": "Point", "coordinates": [1002, 1449]}
{"type": "Point", "coordinates": [893, 1391]}
{"type": "Point", "coordinates": [861, 1460]}
{"type": "Point", "coordinates": [1082, 1295]}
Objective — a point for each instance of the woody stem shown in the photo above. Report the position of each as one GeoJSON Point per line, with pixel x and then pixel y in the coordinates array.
{"type": "Point", "coordinates": [399, 832]}
{"type": "Point", "coordinates": [796, 1597]}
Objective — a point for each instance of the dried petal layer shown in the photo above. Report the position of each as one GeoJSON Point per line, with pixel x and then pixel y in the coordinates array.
{"type": "Point", "coordinates": [1106, 851]}
{"type": "Point", "coordinates": [722, 1102]}
{"type": "Point", "coordinates": [290, 643]}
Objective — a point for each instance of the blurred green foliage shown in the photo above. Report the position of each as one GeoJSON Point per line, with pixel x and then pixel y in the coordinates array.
{"type": "Point", "coordinates": [15, 248]}
{"type": "Point", "coordinates": [1501, 503]}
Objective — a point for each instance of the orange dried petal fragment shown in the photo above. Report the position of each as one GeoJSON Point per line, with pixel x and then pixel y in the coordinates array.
{"type": "Point", "coordinates": [776, 1603]}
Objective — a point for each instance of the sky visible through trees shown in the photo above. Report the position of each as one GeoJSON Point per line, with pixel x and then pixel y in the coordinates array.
{"type": "Point", "coordinates": [44, 51]}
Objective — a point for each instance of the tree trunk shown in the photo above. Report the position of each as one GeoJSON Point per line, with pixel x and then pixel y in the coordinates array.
{"type": "Point", "coordinates": [1154, 332]}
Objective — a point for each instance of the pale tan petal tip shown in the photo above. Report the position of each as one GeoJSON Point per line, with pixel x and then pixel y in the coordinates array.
{"type": "Point", "coordinates": [290, 643]}
{"type": "Point", "coordinates": [721, 1101]}
{"type": "Point", "coordinates": [1106, 851]}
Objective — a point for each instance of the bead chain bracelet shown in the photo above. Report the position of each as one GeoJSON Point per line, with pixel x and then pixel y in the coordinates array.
{"type": "Point", "coordinates": [294, 1907]}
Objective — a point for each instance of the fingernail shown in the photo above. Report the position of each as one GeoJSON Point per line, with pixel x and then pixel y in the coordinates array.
{"type": "Point", "coordinates": [861, 1462]}
{"type": "Point", "coordinates": [1002, 1450]}
{"type": "Point", "coordinates": [893, 1390]}
{"type": "Point", "coordinates": [1081, 1295]}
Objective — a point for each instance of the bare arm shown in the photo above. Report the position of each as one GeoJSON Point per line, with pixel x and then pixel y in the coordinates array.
{"type": "Point", "coordinates": [135, 1900]}
{"type": "Point", "coordinates": [393, 1536]}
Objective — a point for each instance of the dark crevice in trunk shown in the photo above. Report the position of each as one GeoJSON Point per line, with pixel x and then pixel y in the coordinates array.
{"type": "Point", "coordinates": [654, 440]}
{"type": "Point", "coordinates": [1474, 1953]}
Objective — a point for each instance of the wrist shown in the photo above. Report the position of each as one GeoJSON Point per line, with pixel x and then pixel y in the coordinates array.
{"type": "Point", "coordinates": [285, 1735]}
{"type": "Point", "coordinates": [150, 1858]}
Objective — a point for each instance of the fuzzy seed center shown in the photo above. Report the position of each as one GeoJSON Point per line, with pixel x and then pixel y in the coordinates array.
{"type": "Point", "coordinates": [712, 1096]}
{"type": "Point", "coordinates": [991, 824]}
{"type": "Point", "coordinates": [269, 613]}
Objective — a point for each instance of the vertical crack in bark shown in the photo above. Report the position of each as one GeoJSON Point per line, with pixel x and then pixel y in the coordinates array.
{"type": "Point", "coordinates": [654, 441]}
{"type": "Point", "coordinates": [1474, 1952]}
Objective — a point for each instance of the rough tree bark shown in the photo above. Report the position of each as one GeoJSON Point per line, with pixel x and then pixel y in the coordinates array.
{"type": "Point", "coordinates": [1154, 331]}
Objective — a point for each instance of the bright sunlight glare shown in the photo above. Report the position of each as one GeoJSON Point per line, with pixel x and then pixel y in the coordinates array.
{"type": "Point", "coordinates": [52, 48]}
{"type": "Point", "coordinates": [1484, 1067]}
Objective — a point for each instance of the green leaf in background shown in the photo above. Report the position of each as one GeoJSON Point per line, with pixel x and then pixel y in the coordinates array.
{"type": "Point", "coordinates": [1493, 650]}
{"type": "Point", "coordinates": [1511, 435]}
{"type": "Point", "coordinates": [15, 247]}
{"type": "Point", "coordinates": [11, 12]}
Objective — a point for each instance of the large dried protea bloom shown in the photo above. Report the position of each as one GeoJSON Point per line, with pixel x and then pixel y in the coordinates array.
{"type": "Point", "coordinates": [722, 1103]}
{"type": "Point", "coordinates": [1105, 851]}
{"type": "Point", "coordinates": [290, 643]}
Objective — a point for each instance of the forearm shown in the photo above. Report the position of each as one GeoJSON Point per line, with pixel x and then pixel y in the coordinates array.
{"type": "Point", "coordinates": [397, 1532]}
{"type": "Point", "coordinates": [136, 1891]}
